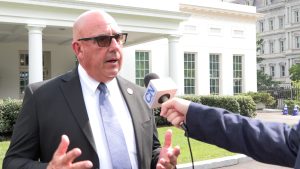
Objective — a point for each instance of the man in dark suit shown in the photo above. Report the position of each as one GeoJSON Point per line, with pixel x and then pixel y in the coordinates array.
{"type": "Point", "coordinates": [268, 142]}
{"type": "Point", "coordinates": [59, 126]}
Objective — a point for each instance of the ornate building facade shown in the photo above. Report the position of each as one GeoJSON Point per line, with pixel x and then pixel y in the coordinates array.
{"type": "Point", "coordinates": [279, 30]}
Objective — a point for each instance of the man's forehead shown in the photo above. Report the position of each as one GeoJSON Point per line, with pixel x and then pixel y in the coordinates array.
{"type": "Point", "coordinates": [110, 27]}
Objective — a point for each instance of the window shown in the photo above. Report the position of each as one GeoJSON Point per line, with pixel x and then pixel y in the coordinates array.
{"type": "Point", "coordinates": [24, 80]}
{"type": "Point", "coordinates": [281, 22]}
{"type": "Point", "coordinates": [189, 73]}
{"type": "Point", "coordinates": [238, 33]}
{"type": "Point", "coordinates": [262, 69]}
{"type": "Point", "coordinates": [297, 41]}
{"type": "Point", "coordinates": [262, 48]}
{"type": "Point", "coordinates": [23, 75]}
{"type": "Point", "coordinates": [141, 66]}
{"type": "Point", "coordinates": [272, 71]}
{"type": "Point", "coordinates": [297, 17]}
{"type": "Point", "coordinates": [282, 70]}
{"type": "Point", "coordinates": [24, 61]}
{"type": "Point", "coordinates": [271, 24]}
{"type": "Point", "coordinates": [190, 29]}
{"type": "Point", "coordinates": [281, 43]}
{"type": "Point", "coordinates": [266, 2]}
{"type": "Point", "coordinates": [271, 47]}
{"type": "Point", "coordinates": [261, 26]}
{"type": "Point", "coordinates": [214, 62]}
{"type": "Point", "coordinates": [215, 31]}
{"type": "Point", "coordinates": [23, 69]}
{"type": "Point", "coordinates": [237, 74]}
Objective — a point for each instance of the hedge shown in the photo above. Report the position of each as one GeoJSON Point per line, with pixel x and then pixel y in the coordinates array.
{"type": "Point", "coordinates": [9, 110]}
{"type": "Point", "coordinates": [261, 97]}
{"type": "Point", "coordinates": [243, 105]}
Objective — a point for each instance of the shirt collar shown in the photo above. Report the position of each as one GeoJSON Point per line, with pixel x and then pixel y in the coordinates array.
{"type": "Point", "coordinates": [92, 84]}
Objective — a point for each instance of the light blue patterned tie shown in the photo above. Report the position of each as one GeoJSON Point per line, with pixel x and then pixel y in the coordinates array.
{"type": "Point", "coordinates": [113, 131]}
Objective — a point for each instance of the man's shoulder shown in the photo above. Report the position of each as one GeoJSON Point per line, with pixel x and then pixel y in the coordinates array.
{"type": "Point", "coordinates": [49, 82]}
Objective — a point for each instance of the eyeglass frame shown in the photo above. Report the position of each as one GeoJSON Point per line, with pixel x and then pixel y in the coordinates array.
{"type": "Point", "coordinates": [110, 39]}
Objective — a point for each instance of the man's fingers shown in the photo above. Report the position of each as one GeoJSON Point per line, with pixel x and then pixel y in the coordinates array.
{"type": "Point", "coordinates": [168, 138]}
{"type": "Point", "coordinates": [176, 151]}
{"type": "Point", "coordinates": [166, 106]}
{"type": "Point", "coordinates": [82, 165]}
{"type": "Point", "coordinates": [71, 155]}
{"type": "Point", "coordinates": [63, 146]}
{"type": "Point", "coordinates": [174, 155]}
{"type": "Point", "coordinates": [177, 121]}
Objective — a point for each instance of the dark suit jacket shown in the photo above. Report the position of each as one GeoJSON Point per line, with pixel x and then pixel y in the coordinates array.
{"type": "Point", "coordinates": [268, 142]}
{"type": "Point", "coordinates": [56, 107]}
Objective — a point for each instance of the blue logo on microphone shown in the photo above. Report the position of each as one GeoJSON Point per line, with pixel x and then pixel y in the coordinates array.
{"type": "Point", "coordinates": [149, 94]}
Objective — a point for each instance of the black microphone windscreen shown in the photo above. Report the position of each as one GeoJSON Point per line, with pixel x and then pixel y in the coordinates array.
{"type": "Point", "coordinates": [149, 77]}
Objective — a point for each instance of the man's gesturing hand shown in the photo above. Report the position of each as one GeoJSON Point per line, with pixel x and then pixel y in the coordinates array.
{"type": "Point", "coordinates": [64, 160]}
{"type": "Point", "coordinates": [168, 155]}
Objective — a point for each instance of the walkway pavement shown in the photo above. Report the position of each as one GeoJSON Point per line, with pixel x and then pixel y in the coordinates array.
{"type": "Point", "coordinates": [241, 161]}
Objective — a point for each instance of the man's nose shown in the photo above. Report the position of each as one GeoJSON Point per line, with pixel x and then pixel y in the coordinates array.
{"type": "Point", "coordinates": [114, 43]}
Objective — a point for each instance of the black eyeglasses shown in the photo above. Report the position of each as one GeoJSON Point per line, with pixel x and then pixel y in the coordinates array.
{"type": "Point", "coordinates": [105, 40]}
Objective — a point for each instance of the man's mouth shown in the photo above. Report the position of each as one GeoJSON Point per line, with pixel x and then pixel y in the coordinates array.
{"type": "Point", "coordinates": [112, 60]}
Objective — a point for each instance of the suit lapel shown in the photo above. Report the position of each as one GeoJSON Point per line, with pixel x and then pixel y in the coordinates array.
{"type": "Point", "coordinates": [73, 94]}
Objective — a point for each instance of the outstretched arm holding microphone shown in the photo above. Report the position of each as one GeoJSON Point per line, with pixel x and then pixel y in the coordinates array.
{"type": "Point", "coordinates": [268, 142]}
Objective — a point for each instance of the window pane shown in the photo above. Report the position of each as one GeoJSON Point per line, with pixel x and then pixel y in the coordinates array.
{"type": "Point", "coordinates": [141, 66]}
{"type": "Point", "coordinates": [237, 74]}
{"type": "Point", "coordinates": [214, 73]}
{"type": "Point", "coordinates": [189, 73]}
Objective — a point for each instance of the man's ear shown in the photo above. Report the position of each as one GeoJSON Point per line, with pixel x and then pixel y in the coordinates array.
{"type": "Point", "coordinates": [76, 48]}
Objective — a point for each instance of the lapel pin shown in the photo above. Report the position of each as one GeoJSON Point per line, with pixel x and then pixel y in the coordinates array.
{"type": "Point", "coordinates": [129, 91]}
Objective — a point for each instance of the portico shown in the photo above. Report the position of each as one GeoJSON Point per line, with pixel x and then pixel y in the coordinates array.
{"type": "Point", "coordinates": [31, 28]}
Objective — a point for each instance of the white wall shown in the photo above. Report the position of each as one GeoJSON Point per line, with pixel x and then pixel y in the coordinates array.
{"type": "Point", "coordinates": [204, 41]}
{"type": "Point", "coordinates": [9, 70]}
{"type": "Point", "coordinates": [159, 59]}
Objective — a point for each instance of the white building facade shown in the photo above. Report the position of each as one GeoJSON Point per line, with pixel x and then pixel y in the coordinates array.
{"type": "Point", "coordinates": [206, 47]}
{"type": "Point", "coordinates": [280, 31]}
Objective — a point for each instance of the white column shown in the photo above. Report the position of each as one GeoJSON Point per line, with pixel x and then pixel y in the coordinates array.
{"type": "Point", "coordinates": [176, 63]}
{"type": "Point", "coordinates": [35, 47]}
{"type": "Point", "coordinates": [287, 16]}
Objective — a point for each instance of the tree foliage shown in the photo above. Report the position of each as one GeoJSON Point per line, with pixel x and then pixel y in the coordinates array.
{"type": "Point", "coordinates": [258, 44]}
{"type": "Point", "coordinates": [264, 80]}
{"type": "Point", "coordinates": [295, 72]}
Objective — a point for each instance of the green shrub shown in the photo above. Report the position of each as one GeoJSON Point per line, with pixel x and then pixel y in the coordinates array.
{"type": "Point", "coordinates": [9, 109]}
{"type": "Point", "coordinates": [243, 105]}
{"type": "Point", "coordinates": [261, 97]}
{"type": "Point", "coordinates": [226, 102]}
{"type": "Point", "coordinates": [160, 121]}
{"type": "Point", "coordinates": [247, 106]}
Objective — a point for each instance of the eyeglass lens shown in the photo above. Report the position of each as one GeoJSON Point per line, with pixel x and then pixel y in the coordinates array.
{"type": "Point", "coordinates": [104, 41]}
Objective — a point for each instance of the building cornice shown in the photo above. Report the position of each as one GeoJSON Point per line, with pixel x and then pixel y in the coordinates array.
{"type": "Point", "coordinates": [106, 6]}
{"type": "Point", "coordinates": [229, 10]}
{"type": "Point", "coordinates": [276, 6]}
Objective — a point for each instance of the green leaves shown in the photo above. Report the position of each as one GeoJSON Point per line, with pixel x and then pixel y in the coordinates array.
{"type": "Point", "coordinates": [295, 72]}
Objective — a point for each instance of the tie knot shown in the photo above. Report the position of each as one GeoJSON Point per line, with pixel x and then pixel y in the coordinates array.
{"type": "Point", "coordinates": [102, 87]}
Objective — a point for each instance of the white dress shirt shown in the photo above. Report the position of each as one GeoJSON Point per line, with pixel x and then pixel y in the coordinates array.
{"type": "Point", "coordinates": [91, 99]}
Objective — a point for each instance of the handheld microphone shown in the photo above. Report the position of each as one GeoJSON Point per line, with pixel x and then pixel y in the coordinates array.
{"type": "Point", "coordinates": [158, 90]}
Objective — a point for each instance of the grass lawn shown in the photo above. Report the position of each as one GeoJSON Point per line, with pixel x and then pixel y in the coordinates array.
{"type": "Point", "coordinates": [3, 147]}
{"type": "Point", "coordinates": [201, 151]}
